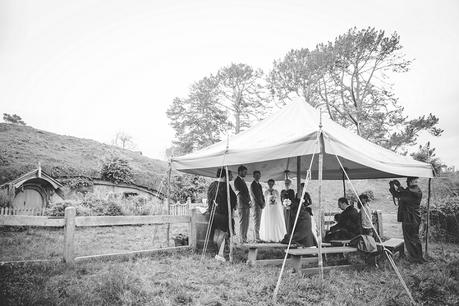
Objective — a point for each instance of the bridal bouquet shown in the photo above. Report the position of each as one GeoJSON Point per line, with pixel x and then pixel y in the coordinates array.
{"type": "Point", "coordinates": [286, 203]}
{"type": "Point", "coordinates": [272, 200]}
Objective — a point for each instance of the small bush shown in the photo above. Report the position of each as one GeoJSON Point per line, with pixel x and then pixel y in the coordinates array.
{"type": "Point", "coordinates": [112, 209]}
{"type": "Point", "coordinates": [117, 171]}
{"type": "Point", "coordinates": [4, 198]}
{"type": "Point", "coordinates": [78, 183]}
{"type": "Point", "coordinates": [444, 219]}
{"type": "Point", "coordinates": [93, 205]}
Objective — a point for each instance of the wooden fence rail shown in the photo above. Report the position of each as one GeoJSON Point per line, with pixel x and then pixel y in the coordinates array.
{"type": "Point", "coordinates": [70, 222]}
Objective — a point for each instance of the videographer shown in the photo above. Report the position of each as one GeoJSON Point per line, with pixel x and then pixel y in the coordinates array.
{"type": "Point", "coordinates": [409, 201]}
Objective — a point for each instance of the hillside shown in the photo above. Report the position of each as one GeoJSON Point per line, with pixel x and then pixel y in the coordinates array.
{"type": "Point", "coordinates": [22, 147]}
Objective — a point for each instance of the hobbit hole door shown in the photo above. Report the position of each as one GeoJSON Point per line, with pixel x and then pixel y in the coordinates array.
{"type": "Point", "coordinates": [28, 199]}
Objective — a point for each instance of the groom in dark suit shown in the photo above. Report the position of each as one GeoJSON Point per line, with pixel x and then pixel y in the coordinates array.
{"type": "Point", "coordinates": [258, 200]}
{"type": "Point", "coordinates": [243, 202]}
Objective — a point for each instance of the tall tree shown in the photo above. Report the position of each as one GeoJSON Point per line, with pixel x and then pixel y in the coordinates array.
{"type": "Point", "coordinates": [198, 120]}
{"type": "Point", "coordinates": [299, 73]}
{"type": "Point", "coordinates": [231, 99]}
{"type": "Point", "coordinates": [350, 77]}
{"type": "Point", "coordinates": [242, 93]}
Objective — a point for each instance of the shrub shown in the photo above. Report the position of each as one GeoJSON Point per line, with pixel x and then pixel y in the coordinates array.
{"type": "Point", "coordinates": [444, 219]}
{"type": "Point", "coordinates": [117, 170]}
{"type": "Point", "coordinates": [4, 198]}
{"type": "Point", "coordinates": [112, 209]}
{"type": "Point", "coordinates": [78, 183]}
{"type": "Point", "coordinates": [58, 209]}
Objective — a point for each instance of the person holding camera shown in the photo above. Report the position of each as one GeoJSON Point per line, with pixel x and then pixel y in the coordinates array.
{"type": "Point", "coordinates": [409, 201]}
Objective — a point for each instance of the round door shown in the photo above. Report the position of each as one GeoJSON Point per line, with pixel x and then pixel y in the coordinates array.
{"type": "Point", "coordinates": [28, 199]}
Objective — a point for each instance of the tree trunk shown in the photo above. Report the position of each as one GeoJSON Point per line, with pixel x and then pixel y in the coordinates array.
{"type": "Point", "coordinates": [238, 122]}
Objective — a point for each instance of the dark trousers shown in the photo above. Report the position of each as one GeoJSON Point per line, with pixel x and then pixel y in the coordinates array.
{"type": "Point", "coordinates": [244, 216]}
{"type": "Point", "coordinates": [256, 220]}
{"type": "Point", "coordinates": [412, 242]}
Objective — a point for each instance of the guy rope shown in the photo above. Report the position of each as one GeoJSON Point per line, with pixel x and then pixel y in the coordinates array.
{"type": "Point", "coordinates": [308, 178]}
{"type": "Point", "coordinates": [386, 251]}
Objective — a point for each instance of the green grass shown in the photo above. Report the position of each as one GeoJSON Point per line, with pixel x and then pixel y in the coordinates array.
{"type": "Point", "coordinates": [181, 279]}
{"type": "Point", "coordinates": [47, 243]}
{"type": "Point", "coordinates": [23, 147]}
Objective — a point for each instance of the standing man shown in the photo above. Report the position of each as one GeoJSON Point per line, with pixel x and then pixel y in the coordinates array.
{"type": "Point", "coordinates": [243, 202]}
{"type": "Point", "coordinates": [258, 200]}
{"type": "Point", "coordinates": [409, 201]}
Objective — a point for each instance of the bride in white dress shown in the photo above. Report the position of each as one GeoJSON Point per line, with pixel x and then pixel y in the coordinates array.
{"type": "Point", "coordinates": [272, 227]}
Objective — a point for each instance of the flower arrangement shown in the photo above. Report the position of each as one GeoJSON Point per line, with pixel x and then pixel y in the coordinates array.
{"type": "Point", "coordinates": [287, 203]}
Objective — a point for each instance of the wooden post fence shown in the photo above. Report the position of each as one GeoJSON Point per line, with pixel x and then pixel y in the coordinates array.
{"type": "Point", "coordinates": [69, 235]}
{"type": "Point", "coordinates": [70, 222]}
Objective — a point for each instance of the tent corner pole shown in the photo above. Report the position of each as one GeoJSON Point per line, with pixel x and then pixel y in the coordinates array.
{"type": "Point", "coordinates": [169, 173]}
{"type": "Point", "coordinates": [298, 173]}
{"type": "Point", "coordinates": [428, 217]}
{"type": "Point", "coordinates": [230, 216]}
{"type": "Point", "coordinates": [319, 243]}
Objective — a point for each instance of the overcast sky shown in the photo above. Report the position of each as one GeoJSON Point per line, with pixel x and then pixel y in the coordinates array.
{"type": "Point", "coordinates": [92, 68]}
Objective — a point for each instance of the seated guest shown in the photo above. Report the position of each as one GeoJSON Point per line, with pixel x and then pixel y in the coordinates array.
{"type": "Point", "coordinates": [348, 225]}
{"type": "Point", "coordinates": [303, 231]}
{"type": "Point", "coordinates": [365, 215]}
{"type": "Point", "coordinates": [217, 196]}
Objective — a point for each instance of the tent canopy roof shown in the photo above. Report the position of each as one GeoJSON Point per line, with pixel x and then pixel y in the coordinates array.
{"type": "Point", "coordinates": [273, 145]}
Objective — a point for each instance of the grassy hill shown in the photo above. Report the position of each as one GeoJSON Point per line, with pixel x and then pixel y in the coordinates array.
{"type": "Point", "coordinates": [22, 147]}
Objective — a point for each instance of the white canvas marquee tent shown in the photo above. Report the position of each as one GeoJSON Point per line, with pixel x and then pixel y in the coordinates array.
{"type": "Point", "coordinates": [292, 137]}
{"type": "Point", "coordinates": [273, 145]}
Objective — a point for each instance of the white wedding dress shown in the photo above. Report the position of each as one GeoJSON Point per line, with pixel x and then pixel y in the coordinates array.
{"type": "Point", "coordinates": [272, 226]}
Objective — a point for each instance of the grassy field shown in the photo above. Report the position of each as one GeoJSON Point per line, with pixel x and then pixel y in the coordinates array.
{"type": "Point", "coordinates": [182, 279]}
{"type": "Point", "coordinates": [42, 243]}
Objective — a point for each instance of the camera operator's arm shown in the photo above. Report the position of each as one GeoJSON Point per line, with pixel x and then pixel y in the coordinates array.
{"type": "Point", "coordinates": [394, 188]}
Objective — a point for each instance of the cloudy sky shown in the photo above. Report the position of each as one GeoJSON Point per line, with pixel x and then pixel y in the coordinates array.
{"type": "Point", "coordinates": [92, 68]}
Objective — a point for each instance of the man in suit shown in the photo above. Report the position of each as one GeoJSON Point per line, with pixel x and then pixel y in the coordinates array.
{"type": "Point", "coordinates": [243, 202]}
{"type": "Point", "coordinates": [348, 222]}
{"type": "Point", "coordinates": [258, 200]}
{"type": "Point", "coordinates": [409, 213]}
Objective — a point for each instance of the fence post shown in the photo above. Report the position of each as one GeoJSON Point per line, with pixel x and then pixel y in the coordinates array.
{"type": "Point", "coordinates": [193, 230]}
{"type": "Point", "coordinates": [380, 223]}
{"type": "Point", "coordinates": [69, 235]}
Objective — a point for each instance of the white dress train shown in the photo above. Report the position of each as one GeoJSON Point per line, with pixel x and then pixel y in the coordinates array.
{"type": "Point", "coordinates": [272, 226]}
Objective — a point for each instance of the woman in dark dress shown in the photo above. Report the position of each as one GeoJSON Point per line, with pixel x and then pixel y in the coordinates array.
{"type": "Point", "coordinates": [287, 197]}
{"type": "Point", "coordinates": [303, 231]}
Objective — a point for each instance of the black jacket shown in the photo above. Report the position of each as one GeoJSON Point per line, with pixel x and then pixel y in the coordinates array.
{"type": "Point", "coordinates": [242, 192]}
{"type": "Point", "coordinates": [220, 197]}
{"type": "Point", "coordinates": [348, 220]}
{"type": "Point", "coordinates": [409, 202]}
{"type": "Point", "coordinates": [256, 191]}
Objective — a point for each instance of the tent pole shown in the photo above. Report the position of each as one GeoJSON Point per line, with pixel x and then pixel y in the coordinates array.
{"type": "Point", "coordinates": [169, 172]}
{"type": "Point", "coordinates": [298, 173]}
{"type": "Point", "coordinates": [344, 186]}
{"type": "Point", "coordinates": [428, 219]}
{"type": "Point", "coordinates": [230, 216]}
{"type": "Point", "coordinates": [319, 243]}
